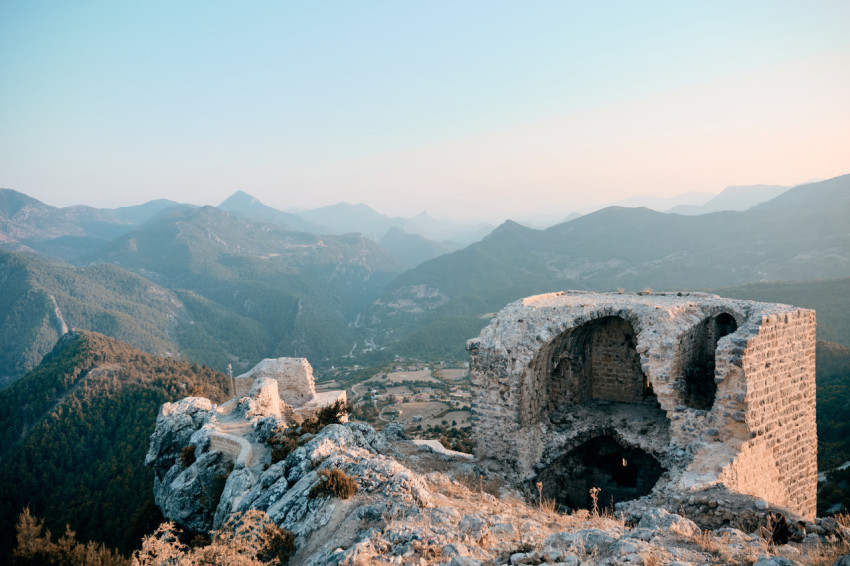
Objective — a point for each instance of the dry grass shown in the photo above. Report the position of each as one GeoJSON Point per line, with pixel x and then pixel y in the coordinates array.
{"type": "Point", "coordinates": [716, 546]}
{"type": "Point", "coordinates": [825, 554]}
{"type": "Point", "coordinates": [479, 484]}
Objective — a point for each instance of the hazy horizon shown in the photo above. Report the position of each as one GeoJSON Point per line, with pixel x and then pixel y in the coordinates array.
{"type": "Point", "coordinates": [469, 111]}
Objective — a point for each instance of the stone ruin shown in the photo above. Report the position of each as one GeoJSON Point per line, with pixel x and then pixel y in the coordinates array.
{"type": "Point", "coordinates": [277, 386]}
{"type": "Point", "coordinates": [684, 400]}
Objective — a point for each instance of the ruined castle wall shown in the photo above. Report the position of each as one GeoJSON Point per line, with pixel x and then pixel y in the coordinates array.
{"type": "Point", "coordinates": [294, 377]}
{"type": "Point", "coordinates": [553, 371]}
{"type": "Point", "coordinates": [779, 463]}
{"type": "Point", "coordinates": [238, 449]}
{"type": "Point", "coordinates": [495, 404]}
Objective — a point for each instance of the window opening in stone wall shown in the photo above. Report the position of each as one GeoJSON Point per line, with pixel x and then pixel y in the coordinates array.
{"type": "Point", "coordinates": [700, 387]}
{"type": "Point", "coordinates": [621, 472]}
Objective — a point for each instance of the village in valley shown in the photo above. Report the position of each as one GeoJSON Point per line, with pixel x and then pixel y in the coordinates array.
{"type": "Point", "coordinates": [431, 400]}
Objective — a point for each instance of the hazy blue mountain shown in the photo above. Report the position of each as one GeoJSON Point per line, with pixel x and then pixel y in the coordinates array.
{"type": "Point", "coordinates": [446, 230]}
{"type": "Point", "coordinates": [304, 290]}
{"type": "Point", "coordinates": [692, 198]}
{"type": "Point", "coordinates": [345, 218]}
{"type": "Point", "coordinates": [413, 249]}
{"type": "Point", "coordinates": [244, 205]}
{"type": "Point", "coordinates": [141, 213]}
{"type": "Point", "coordinates": [733, 198]}
{"type": "Point", "coordinates": [800, 235]}
{"type": "Point", "coordinates": [27, 224]}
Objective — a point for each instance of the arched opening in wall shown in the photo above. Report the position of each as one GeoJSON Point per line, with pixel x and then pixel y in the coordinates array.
{"type": "Point", "coordinates": [621, 473]}
{"type": "Point", "coordinates": [595, 361]}
{"type": "Point", "coordinates": [701, 346]}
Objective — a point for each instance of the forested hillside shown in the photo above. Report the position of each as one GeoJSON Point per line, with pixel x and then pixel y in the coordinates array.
{"type": "Point", "coordinates": [39, 295]}
{"type": "Point", "coordinates": [304, 290]}
{"type": "Point", "coordinates": [75, 432]}
{"type": "Point", "coordinates": [830, 298]}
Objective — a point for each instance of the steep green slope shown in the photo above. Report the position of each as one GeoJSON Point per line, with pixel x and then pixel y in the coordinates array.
{"type": "Point", "coordinates": [413, 249]}
{"type": "Point", "coordinates": [830, 298]}
{"type": "Point", "coordinates": [75, 432]}
{"type": "Point", "coordinates": [38, 296]}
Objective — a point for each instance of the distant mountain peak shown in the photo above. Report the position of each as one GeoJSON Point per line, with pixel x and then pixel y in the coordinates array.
{"type": "Point", "coordinates": [12, 201]}
{"type": "Point", "coordinates": [510, 227]}
{"type": "Point", "coordinates": [239, 199]}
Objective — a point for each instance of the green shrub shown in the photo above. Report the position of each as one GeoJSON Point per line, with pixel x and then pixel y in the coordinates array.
{"type": "Point", "coordinates": [336, 483]}
{"type": "Point", "coordinates": [329, 414]}
{"type": "Point", "coordinates": [187, 456]}
{"type": "Point", "coordinates": [282, 447]}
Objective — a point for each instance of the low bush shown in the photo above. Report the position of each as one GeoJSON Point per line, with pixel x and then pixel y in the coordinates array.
{"type": "Point", "coordinates": [330, 414]}
{"type": "Point", "coordinates": [282, 446]}
{"type": "Point", "coordinates": [336, 483]}
{"type": "Point", "coordinates": [187, 456]}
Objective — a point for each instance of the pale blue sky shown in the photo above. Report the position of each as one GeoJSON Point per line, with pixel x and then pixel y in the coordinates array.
{"type": "Point", "coordinates": [487, 108]}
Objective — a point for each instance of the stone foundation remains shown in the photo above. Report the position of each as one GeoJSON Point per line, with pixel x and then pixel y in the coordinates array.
{"type": "Point", "coordinates": [280, 386]}
{"type": "Point", "coordinates": [649, 395]}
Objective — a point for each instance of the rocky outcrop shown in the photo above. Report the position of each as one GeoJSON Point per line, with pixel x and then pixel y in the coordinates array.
{"type": "Point", "coordinates": [405, 511]}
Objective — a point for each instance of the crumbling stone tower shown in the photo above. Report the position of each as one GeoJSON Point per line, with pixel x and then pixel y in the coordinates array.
{"type": "Point", "coordinates": [660, 396]}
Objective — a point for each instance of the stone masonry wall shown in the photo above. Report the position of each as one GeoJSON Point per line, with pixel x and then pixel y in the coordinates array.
{"type": "Point", "coordinates": [752, 430]}
{"type": "Point", "coordinates": [615, 365]}
{"type": "Point", "coordinates": [780, 462]}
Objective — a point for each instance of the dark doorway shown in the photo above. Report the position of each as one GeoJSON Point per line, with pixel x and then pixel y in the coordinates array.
{"type": "Point", "coordinates": [700, 387]}
{"type": "Point", "coordinates": [622, 473]}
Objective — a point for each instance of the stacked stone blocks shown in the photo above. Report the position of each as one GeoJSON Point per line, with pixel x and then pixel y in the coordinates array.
{"type": "Point", "coordinates": [727, 387]}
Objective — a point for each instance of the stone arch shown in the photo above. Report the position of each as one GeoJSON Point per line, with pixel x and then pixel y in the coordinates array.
{"type": "Point", "coordinates": [700, 346]}
{"type": "Point", "coordinates": [596, 360]}
{"type": "Point", "coordinates": [620, 471]}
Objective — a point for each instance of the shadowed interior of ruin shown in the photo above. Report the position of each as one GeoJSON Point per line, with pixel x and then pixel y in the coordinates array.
{"type": "Point", "coordinates": [621, 473]}
{"type": "Point", "coordinates": [594, 361]}
{"type": "Point", "coordinates": [700, 348]}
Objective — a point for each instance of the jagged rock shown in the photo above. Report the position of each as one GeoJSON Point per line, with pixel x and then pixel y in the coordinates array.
{"type": "Point", "coordinates": [188, 496]}
{"type": "Point", "coordinates": [175, 425]}
{"type": "Point", "coordinates": [661, 519]}
{"type": "Point", "coordinates": [398, 516]}
{"type": "Point", "coordinates": [474, 526]}
{"type": "Point", "coordinates": [263, 400]}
